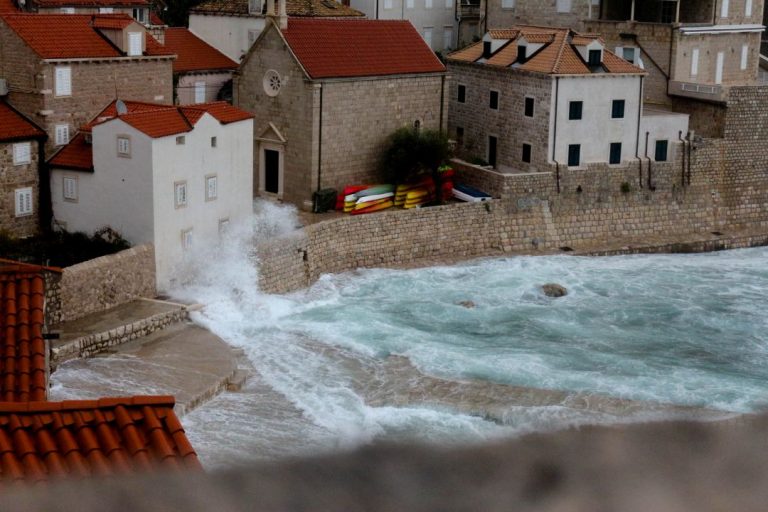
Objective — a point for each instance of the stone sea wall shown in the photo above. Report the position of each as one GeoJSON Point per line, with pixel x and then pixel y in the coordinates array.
{"type": "Point", "coordinates": [709, 187]}
{"type": "Point", "coordinates": [100, 284]}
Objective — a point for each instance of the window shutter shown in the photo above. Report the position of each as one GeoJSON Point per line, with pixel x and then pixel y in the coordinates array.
{"type": "Point", "coordinates": [63, 81]}
{"type": "Point", "coordinates": [23, 201]}
{"type": "Point", "coordinates": [212, 186]}
{"type": "Point", "coordinates": [62, 134]}
{"type": "Point", "coordinates": [134, 44]}
{"type": "Point", "coordinates": [199, 92]}
{"type": "Point", "coordinates": [22, 153]}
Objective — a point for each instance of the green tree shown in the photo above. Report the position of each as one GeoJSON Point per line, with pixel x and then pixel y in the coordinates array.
{"type": "Point", "coordinates": [409, 153]}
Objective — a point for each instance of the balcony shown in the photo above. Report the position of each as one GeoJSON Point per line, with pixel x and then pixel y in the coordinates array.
{"type": "Point", "coordinates": [705, 92]}
{"type": "Point", "coordinates": [469, 9]}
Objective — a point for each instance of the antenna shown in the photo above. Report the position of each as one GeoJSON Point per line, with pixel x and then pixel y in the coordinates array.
{"type": "Point", "coordinates": [121, 108]}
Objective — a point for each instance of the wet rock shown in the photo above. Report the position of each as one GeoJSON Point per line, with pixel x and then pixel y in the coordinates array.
{"type": "Point", "coordinates": [467, 304]}
{"type": "Point", "coordinates": [554, 290]}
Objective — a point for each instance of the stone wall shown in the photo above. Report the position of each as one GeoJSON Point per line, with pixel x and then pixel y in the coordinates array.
{"type": "Point", "coordinates": [14, 177]}
{"type": "Point", "coordinates": [106, 282]}
{"type": "Point", "coordinates": [540, 12]}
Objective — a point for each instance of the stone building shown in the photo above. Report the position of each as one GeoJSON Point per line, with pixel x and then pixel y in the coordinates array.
{"type": "Point", "coordinates": [200, 70]}
{"type": "Point", "coordinates": [231, 26]}
{"type": "Point", "coordinates": [691, 49]}
{"type": "Point", "coordinates": [324, 110]}
{"type": "Point", "coordinates": [527, 98]}
{"type": "Point", "coordinates": [137, 9]}
{"type": "Point", "coordinates": [435, 20]}
{"type": "Point", "coordinates": [62, 69]}
{"type": "Point", "coordinates": [174, 177]}
{"type": "Point", "coordinates": [20, 151]}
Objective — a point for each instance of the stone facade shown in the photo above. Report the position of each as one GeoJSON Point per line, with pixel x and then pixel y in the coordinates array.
{"type": "Point", "coordinates": [338, 144]}
{"type": "Point", "coordinates": [713, 185]}
{"type": "Point", "coordinates": [95, 83]}
{"type": "Point", "coordinates": [539, 12]}
{"type": "Point", "coordinates": [14, 177]}
{"type": "Point", "coordinates": [104, 283]}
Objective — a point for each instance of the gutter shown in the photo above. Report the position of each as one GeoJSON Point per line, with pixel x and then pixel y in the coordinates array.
{"type": "Point", "coordinates": [320, 141]}
{"type": "Point", "coordinates": [554, 129]}
{"type": "Point", "coordinates": [442, 100]}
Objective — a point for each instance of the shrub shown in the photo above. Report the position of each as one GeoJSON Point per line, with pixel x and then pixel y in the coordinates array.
{"type": "Point", "coordinates": [61, 248]}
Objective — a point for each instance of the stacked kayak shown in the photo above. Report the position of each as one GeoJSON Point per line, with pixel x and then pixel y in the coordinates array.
{"type": "Point", "coordinates": [371, 199]}
{"type": "Point", "coordinates": [349, 190]}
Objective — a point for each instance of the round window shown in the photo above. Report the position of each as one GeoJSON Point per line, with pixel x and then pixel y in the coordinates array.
{"type": "Point", "coordinates": [272, 82]}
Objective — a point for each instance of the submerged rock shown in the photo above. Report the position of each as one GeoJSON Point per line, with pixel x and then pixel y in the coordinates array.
{"type": "Point", "coordinates": [554, 290]}
{"type": "Point", "coordinates": [467, 304]}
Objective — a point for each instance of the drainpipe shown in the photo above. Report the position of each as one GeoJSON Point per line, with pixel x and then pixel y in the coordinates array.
{"type": "Point", "coordinates": [557, 176]}
{"type": "Point", "coordinates": [681, 139]}
{"type": "Point", "coordinates": [637, 139]}
{"type": "Point", "coordinates": [690, 155]}
{"type": "Point", "coordinates": [650, 184]}
{"type": "Point", "coordinates": [554, 136]}
{"type": "Point", "coordinates": [45, 207]}
{"type": "Point", "coordinates": [485, 18]}
{"type": "Point", "coordinates": [320, 142]}
{"type": "Point", "coordinates": [442, 100]}
{"type": "Point", "coordinates": [377, 9]}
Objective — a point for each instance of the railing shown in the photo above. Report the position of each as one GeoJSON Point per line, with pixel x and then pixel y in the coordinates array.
{"type": "Point", "coordinates": [700, 91]}
{"type": "Point", "coordinates": [703, 89]}
{"type": "Point", "coordinates": [469, 8]}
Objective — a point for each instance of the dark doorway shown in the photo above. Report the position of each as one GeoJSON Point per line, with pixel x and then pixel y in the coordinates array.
{"type": "Point", "coordinates": [271, 171]}
{"type": "Point", "coordinates": [492, 151]}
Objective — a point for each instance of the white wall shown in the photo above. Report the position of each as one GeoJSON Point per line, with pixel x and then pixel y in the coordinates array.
{"type": "Point", "coordinates": [596, 130]}
{"type": "Point", "coordinates": [661, 125]}
{"type": "Point", "coordinates": [438, 17]}
{"type": "Point", "coordinates": [228, 34]}
{"type": "Point", "coordinates": [185, 88]}
{"type": "Point", "coordinates": [232, 162]}
{"type": "Point", "coordinates": [117, 194]}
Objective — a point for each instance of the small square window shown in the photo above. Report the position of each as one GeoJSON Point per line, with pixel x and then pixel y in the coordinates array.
{"type": "Point", "coordinates": [462, 94]}
{"type": "Point", "coordinates": [69, 188]}
{"type": "Point", "coordinates": [180, 194]}
{"type": "Point", "coordinates": [575, 110]}
{"type": "Point", "coordinates": [574, 155]}
{"type": "Point", "coordinates": [595, 58]}
{"type": "Point", "coordinates": [123, 146]}
{"type": "Point", "coordinates": [213, 142]}
{"type": "Point", "coordinates": [615, 153]}
{"type": "Point", "coordinates": [494, 100]}
{"type": "Point", "coordinates": [181, 140]}
{"type": "Point", "coordinates": [211, 187]}
{"type": "Point", "coordinates": [529, 105]}
{"type": "Point", "coordinates": [661, 150]}
{"type": "Point", "coordinates": [22, 153]}
{"type": "Point", "coordinates": [527, 153]}
{"type": "Point", "coordinates": [23, 201]}
{"type": "Point", "coordinates": [62, 134]}
{"type": "Point", "coordinates": [617, 109]}
{"type": "Point", "coordinates": [63, 81]}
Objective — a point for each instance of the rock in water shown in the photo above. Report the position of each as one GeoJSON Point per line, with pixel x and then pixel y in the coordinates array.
{"type": "Point", "coordinates": [554, 290]}
{"type": "Point", "coordinates": [467, 304]}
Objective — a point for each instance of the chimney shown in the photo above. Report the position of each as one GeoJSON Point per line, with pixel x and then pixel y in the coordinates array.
{"type": "Point", "coordinates": [283, 18]}
{"type": "Point", "coordinates": [270, 7]}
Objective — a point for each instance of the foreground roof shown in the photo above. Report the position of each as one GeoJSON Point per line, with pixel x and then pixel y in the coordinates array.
{"type": "Point", "coordinates": [355, 48]}
{"type": "Point", "coordinates": [149, 118]}
{"type": "Point", "coordinates": [14, 126]}
{"type": "Point", "coordinates": [194, 54]}
{"type": "Point", "coordinates": [315, 8]}
{"type": "Point", "coordinates": [44, 440]}
{"type": "Point", "coordinates": [558, 55]}
{"type": "Point", "coordinates": [64, 36]}
{"type": "Point", "coordinates": [23, 367]}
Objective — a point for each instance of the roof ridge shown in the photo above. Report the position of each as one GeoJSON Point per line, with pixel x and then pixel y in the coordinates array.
{"type": "Point", "coordinates": [558, 59]}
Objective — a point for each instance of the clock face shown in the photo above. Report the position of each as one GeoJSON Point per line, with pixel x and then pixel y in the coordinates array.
{"type": "Point", "coordinates": [272, 82]}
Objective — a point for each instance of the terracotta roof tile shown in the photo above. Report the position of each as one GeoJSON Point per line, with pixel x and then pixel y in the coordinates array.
{"type": "Point", "coordinates": [7, 6]}
{"type": "Point", "coordinates": [77, 155]}
{"type": "Point", "coordinates": [221, 110]}
{"type": "Point", "coordinates": [91, 3]}
{"type": "Point", "coordinates": [111, 21]}
{"type": "Point", "coordinates": [63, 36]}
{"type": "Point", "coordinates": [194, 54]}
{"type": "Point", "coordinates": [45, 440]}
{"type": "Point", "coordinates": [558, 56]}
{"type": "Point", "coordinates": [14, 126]}
{"type": "Point", "coordinates": [351, 48]}
{"type": "Point", "coordinates": [22, 349]}
{"type": "Point", "coordinates": [311, 8]}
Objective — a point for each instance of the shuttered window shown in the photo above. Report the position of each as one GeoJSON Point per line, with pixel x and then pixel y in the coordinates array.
{"type": "Point", "coordinates": [211, 188]}
{"type": "Point", "coordinates": [23, 201]}
{"type": "Point", "coordinates": [22, 153]}
{"type": "Point", "coordinates": [62, 134]}
{"type": "Point", "coordinates": [69, 188]}
{"type": "Point", "coordinates": [63, 80]}
{"type": "Point", "coordinates": [134, 44]}
{"type": "Point", "coordinates": [199, 92]}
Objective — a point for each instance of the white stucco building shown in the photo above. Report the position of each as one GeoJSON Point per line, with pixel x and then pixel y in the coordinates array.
{"type": "Point", "coordinates": [171, 176]}
{"type": "Point", "coordinates": [435, 20]}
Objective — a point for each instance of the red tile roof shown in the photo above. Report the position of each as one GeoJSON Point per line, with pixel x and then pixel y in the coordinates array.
{"type": "Point", "coordinates": [194, 54]}
{"type": "Point", "coordinates": [558, 56]}
{"type": "Point", "coordinates": [329, 48]}
{"type": "Point", "coordinates": [112, 21]}
{"type": "Point", "coordinates": [77, 155]}
{"type": "Point", "coordinates": [221, 110]}
{"type": "Point", "coordinates": [14, 126]}
{"type": "Point", "coordinates": [7, 6]}
{"type": "Point", "coordinates": [22, 348]}
{"type": "Point", "coordinates": [64, 36]}
{"type": "Point", "coordinates": [90, 3]}
{"type": "Point", "coordinates": [40, 441]}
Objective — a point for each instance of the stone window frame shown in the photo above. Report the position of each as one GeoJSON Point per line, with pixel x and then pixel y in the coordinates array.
{"type": "Point", "coordinates": [186, 239]}
{"type": "Point", "coordinates": [180, 194]}
{"type": "Point", "coordinates": [127, 138]}
{"type": "Point", "coordinates": [62, 92]}
{"type": "Point", "coordinates": [610, 153]}
{"type": "Point", "coordinates": [75, 196]}
{"type": "Point", "coordinates": [498, 99]}
{"type": "Point", "coordinates": [530, 153]}
{"type": "Point", "coordinates": [17, 150]}
{"type": "Point", "coordinates": [61, 132]}
{"type": "Point", "coordinates": [23, 202]}
{"type": "Point", "coordinates": [525, 106]}
{"type": "Point", "coordinates": [207, 182]}
{"type": "Point", "coordinates": [461, 93]}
